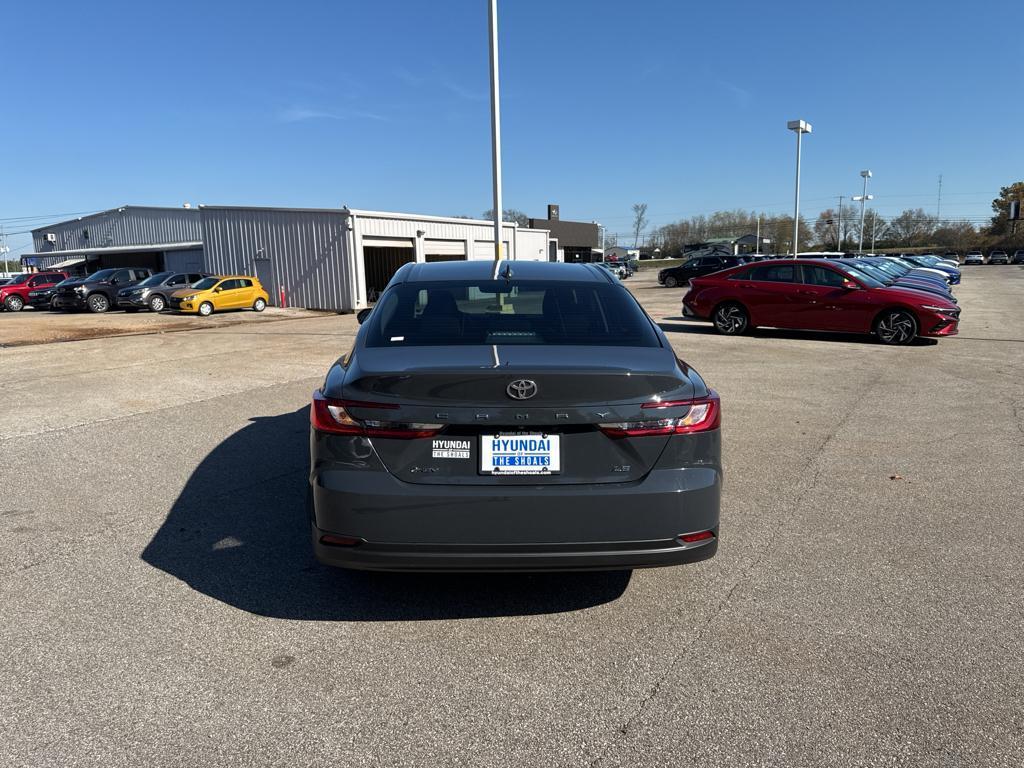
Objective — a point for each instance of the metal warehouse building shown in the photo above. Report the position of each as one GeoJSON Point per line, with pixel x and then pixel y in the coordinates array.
{"type": "Point", "coordinates": [342, 259]}
{"type": "Point", "coordinates": [335, 259]}
{"type": "Point", "coordinates": [130, 236]}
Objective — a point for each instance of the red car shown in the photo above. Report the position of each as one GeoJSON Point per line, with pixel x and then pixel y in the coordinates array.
{"type": "Point", "coordinates": [14, 295]}
{"type": "Point", "coordinates": [817, 295]}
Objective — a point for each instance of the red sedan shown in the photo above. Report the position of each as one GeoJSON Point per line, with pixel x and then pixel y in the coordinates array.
{"type": "Point", "coordinates": [813, 295]}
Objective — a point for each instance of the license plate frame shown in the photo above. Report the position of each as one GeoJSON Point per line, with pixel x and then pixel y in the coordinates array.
{"type": "Point", "coordinates": [522, 454]}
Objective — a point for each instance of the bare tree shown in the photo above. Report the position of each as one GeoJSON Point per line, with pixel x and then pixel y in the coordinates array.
{"type": "Point", "coordinates": [510, 215]}
{"type": "Point", "coordinates": [639, 221]}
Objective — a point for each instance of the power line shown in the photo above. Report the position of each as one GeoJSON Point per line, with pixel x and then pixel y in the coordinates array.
{"type": "Point", "coordinates": [48, 215]}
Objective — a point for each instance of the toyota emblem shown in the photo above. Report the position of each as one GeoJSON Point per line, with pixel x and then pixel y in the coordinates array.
{"type": "Point", "coordinates": [521, 389]}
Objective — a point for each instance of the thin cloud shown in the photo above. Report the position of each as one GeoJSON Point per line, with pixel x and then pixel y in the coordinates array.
{"type": "Point", "coordinates": [740, 96]}
{"type": "Point", "coordinates": [301, 114]}
{"type": "Point", "coordinates": [436, 78]}
{"type": "Point", "coordinates": [462, 92]}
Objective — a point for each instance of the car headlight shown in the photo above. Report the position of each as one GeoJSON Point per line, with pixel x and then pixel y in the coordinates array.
{"type": "Point", "coordinates": [941, 310]}
{"type": "Point", "coordinates": [189, 298]}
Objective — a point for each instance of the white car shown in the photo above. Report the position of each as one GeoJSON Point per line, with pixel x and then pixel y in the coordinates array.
{"type": "Point", "coordinates": [944, 275]}
{"type": "Point", "coordinates": [944, 259]}
{"type": "Point", "coordinates": [974, 257]}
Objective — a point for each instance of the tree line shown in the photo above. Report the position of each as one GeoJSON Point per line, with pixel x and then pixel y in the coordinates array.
{"type": "Point", "coordinates": [840, 229]}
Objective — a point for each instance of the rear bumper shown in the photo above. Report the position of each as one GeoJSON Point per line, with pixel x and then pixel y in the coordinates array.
{"type": "Point", "coordinates": [407, 527]}
{"type": "Point", "coordinates": [593, 556]}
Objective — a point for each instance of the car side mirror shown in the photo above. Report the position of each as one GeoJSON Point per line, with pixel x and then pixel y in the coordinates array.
{"type": "Point", "coordinates": [849, 285]}
{"type": "Point", "coordinates": [362, 314]}
{"type": "Point", "coordinates": [218, 289]}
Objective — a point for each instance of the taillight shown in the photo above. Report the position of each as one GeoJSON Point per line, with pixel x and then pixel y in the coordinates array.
{"type": "Point", "coordinates": [704, 414]}
{"type": "Point", "coordinates": [693, 538]}
{"type": "Point", "coordinates": [329, 414]}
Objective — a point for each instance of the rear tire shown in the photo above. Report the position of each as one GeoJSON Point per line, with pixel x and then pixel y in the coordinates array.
{"type": "Point", "coordinates": [157, 304]}
{"type": "Point", "coordinates": [259, 305]}
{"type": "Point", "coordinates": [671, 282]}
{"type": "Point", "coordinates": [896, 326]}
{"type": "Point", "coordinates": [98, 303]}
{"type": "Point", "coordinates": [731, 319]}
{"type": "Point", "coordinates": [206, 309]}
{"type": "Point", "coordinates": [14, 304]}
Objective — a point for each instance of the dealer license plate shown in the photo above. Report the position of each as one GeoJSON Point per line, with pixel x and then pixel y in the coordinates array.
{"type": "Point", "coordinates": [520, 454]}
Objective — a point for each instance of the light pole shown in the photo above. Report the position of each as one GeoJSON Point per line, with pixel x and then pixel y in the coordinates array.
{"type": "Point", "coordinates": [495, 129]}
{"type": "Point", "coordinates": [800, 127]}
{"type": "Point", "coordinates": [862, 199]}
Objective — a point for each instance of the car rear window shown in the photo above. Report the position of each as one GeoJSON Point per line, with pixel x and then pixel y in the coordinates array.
{"type": "Point", "coordinates": [496, 312]}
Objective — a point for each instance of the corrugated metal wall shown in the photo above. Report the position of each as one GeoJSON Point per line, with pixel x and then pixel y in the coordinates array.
{"type": "Point", "coordinates": [122, 226]}
{"type": "Point", "coordinates": [40, 263]}
{"type": "Point", "coordinates": [186, 260]}
{"type": "Point", "coordinates": [306, 248]}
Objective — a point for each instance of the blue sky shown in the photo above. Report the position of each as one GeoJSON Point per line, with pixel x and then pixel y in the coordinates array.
{"type": "Point", "coordinates": [383, 105]}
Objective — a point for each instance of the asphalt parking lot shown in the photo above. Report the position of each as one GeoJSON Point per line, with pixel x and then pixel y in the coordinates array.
{"type": "Point", "coordinates": [159, 604]}
{"type": "Point", "coordinates": [32, 326]}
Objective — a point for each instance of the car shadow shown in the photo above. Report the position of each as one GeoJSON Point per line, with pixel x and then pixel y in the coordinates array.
{"type": "Point", "coordinates": [682, 325]}
{"type": "Point", "coordinates": [239, 533]}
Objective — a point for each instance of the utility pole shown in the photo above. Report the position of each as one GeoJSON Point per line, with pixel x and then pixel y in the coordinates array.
{"type": "Point", "coordinates": [757, 245]}
{"type": "Point", "coordinates": [4, 250]}
{"type": "Point", "coordinates": [874, 221]}
{"type": "Point", "coordinates": [938, 207]}
{"type": "Point", "coordinates": [495, 129]}
{"type": "Point", "coordinates": [839, 228]}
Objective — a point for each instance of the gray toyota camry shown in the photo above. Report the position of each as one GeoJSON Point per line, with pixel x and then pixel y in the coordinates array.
{"type": "Point", "coordinates": [512, 416]}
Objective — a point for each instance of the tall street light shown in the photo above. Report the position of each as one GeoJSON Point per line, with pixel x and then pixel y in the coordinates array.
{"type": "Point", "coordinates": [801, 127]}
{"type": "Point", "coordinates": [862, 199]}
{"type": "Point", "coordinates": [495, 129]}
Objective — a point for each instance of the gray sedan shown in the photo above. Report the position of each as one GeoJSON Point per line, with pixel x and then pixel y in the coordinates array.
{"type": "Point", "coordinates": [512, 416]}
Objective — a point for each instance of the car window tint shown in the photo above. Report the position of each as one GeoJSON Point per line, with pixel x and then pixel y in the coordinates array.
{"type": "Point", "coordinates": [245, 283]}
{"type": "Point", "coordinates": [743, 274]}
{"type": "Point", "coordinates": [774, 273]}
{"type": "Point", "coordinates": [492, 313]}
{"type": "Point", "coordinates": [822, 276]}
{"type": "Point", "coordinates": [176, 280]}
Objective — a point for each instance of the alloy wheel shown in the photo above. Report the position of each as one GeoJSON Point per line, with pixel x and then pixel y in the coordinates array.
{"type": "Point", "coordinates": [259, 305]}
{"type": "Point", "coordinates": [98, 303]}
{"type": "Point", "coordinates": [671, 282]}
{"type": "Point", "coordinates": [206, 309]}
{"type": "Point", "coordinates": [896, 328]}
{"type": "Point", "coordinates": [15, 303]}
{"type": "Point", "coordinates": [157, 304]}
{"type": "Point", "coordinates": [731, 319]}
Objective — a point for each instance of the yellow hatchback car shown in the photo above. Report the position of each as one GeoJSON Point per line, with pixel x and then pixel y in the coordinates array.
{"type": "Point", "coordinates": [214, 294]}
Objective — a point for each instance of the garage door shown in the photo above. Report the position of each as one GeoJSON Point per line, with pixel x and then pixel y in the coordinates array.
{"type": "Point", "coordinates": [444, 250]}
{"type": "Point", "coordinates": [380, 265]}
{"type": "Point", "coordinates": [484, 249]}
